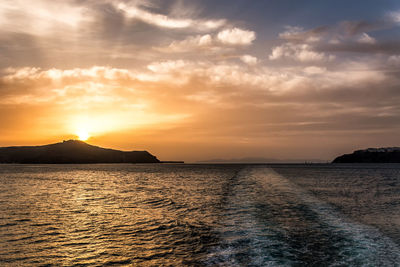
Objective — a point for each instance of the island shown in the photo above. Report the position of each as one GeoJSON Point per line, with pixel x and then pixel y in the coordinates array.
{"type": "Point", "coordinates": [70, 152]}
{"type": "Point", "coordinates": [371, 155]}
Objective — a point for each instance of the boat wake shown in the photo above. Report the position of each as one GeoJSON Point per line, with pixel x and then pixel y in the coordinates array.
{"type": "Point", "coordinates": [270, 221]}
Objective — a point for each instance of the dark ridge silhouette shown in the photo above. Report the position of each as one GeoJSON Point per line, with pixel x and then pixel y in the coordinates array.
{"type": "Point", "coordinates": [72, 151]}
{"type": "Point", "coordinates": [371, 155]}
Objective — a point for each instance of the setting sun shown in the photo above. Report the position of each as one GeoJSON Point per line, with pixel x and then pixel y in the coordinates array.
{"type": "Point", "coordinates": [83, 135]}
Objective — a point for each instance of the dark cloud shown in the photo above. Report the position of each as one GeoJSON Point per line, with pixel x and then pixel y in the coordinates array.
{"type": "Point", "coordinates": [108, 22]}
{"type": "Point", "coordinates": [352, 28]}
{"type": "Point", "coordinates": [346, 36]}
{"type": "Point", "coordinates": [20, 49]}
{"type": "Point", "coordinates": [383, 47]}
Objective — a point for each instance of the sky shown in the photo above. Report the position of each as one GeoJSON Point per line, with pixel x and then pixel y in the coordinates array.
{"type": "Point", "coordinates": [196, 80]}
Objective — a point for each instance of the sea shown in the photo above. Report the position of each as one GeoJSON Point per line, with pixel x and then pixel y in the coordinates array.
{"type": "Point", "coordinates": [200, 215]}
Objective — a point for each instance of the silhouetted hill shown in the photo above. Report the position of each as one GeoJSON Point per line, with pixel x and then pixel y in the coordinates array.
{"type": "Point", "coordinates": [371, 155]}
{"type": "Point", "coordinates": [72, 151]}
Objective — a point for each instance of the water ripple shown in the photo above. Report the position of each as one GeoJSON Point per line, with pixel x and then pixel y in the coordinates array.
{"type": "Point", "coordinates": [196, 215]}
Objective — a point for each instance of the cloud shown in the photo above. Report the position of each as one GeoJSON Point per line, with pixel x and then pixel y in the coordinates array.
{"type": "Point", "coordinates": [109, 32]}
{"type": "Point", "coordinates": [313, 70]}
{"type": "Point", "coordinates": [298, 52]}
{"type": "Point", "coordinates": [248, 59]}
{"type": "Point", "coordinates": [344, 31]}
{"type": "Point", "coordinates": [352, 28]}
{"type": "Point", "coordinates": [42, 18]}
{"type": "Point", "coordinates": [54, 84]}
{"type": "Point", "coordinates": [224, 40]}
{"type": "Point", "coordinates": [164, 21]}
{"type": "Point", "coordinates": [168, 67]}
{"type": "Point", "coordinates": [272, 81]}
{"type": "Point", "coordinates": [298, 34]}
{"type": "Point", "coordinates": [394, 16]}
{"type": "Point", "coordinates": [366, 39]}
{"type": "Point", "coordinates": [371, 48]}
{"type": "Point", "coordinates": [114, 84]}
{"type": "Point", "coordinates": [146, 62]}
{"type": "Point", "coordinates": [189, 44]}
{"type": "Point", "coordinates": [115, 98]}
{"type": "Point", "coordinates": [325, 43]}
{"type": "Point", "coordinates": [394, 60]}
{"type": "Point", "coordinates": [226, 100]}
{"type": "Point", "coordinates": [236, 36]}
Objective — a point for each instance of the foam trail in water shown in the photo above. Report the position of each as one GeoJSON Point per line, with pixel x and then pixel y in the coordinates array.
{"type": "Point", "coordinates": [368, 245]}
{"type": "Point", "coordinates": [270, 221]}
{"type": "Point", "coordinates": [246, 240]}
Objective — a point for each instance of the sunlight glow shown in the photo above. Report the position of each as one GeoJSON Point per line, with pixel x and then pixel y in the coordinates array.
{"type": "Point", "coordinates": [85, 126]}
{"type": "Point", "coordinates": [83, 135]}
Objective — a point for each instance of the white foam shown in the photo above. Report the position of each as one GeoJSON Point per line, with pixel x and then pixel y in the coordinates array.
{"type": "Point", "coordinates": [261, 240]}
{"type": "Point", "coordinates": [240, 225]}
{"type": "Point", "coordinates": [371, 246]}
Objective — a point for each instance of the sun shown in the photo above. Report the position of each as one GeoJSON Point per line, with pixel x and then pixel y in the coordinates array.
{"type": "Point", "coordinates": [83, 135]}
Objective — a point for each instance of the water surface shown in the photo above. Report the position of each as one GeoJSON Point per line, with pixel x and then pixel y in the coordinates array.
{"type": "Point", "coordinates": [200, 215]}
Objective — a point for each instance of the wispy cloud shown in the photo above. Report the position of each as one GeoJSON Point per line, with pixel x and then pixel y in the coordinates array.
{"type": "Point", "coordinates": [41, 18]}
{"type": "Point", "coordinates": [190, 44]}
{"type": "Point", "coordinates": [223, 40]}
{"type": "Point", "coordinates": [165, 21]}
{"type": "Point", "coordinates": [299, 52]}
{"type": "Point", "coordinates": [394, 16]}
{"type": "Point", "coordinates": [366, 39]}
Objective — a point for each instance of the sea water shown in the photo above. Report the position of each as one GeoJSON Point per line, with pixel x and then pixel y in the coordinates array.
{"type": "Point", "coordinates": [200, 215]}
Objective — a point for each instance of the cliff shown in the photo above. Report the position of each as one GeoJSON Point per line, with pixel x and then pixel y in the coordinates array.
{"type": "Point", "coordinates": [371, 155]}
{"type": "Point", "coordinates": [72, 151]}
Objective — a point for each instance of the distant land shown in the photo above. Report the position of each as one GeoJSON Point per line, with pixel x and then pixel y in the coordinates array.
{"type": "Point", "coordinates": [261, 160]}
{"type": "Point", "coordinates": [72, 151]}
{"type": "Point", "coordinates": [371, 155]}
